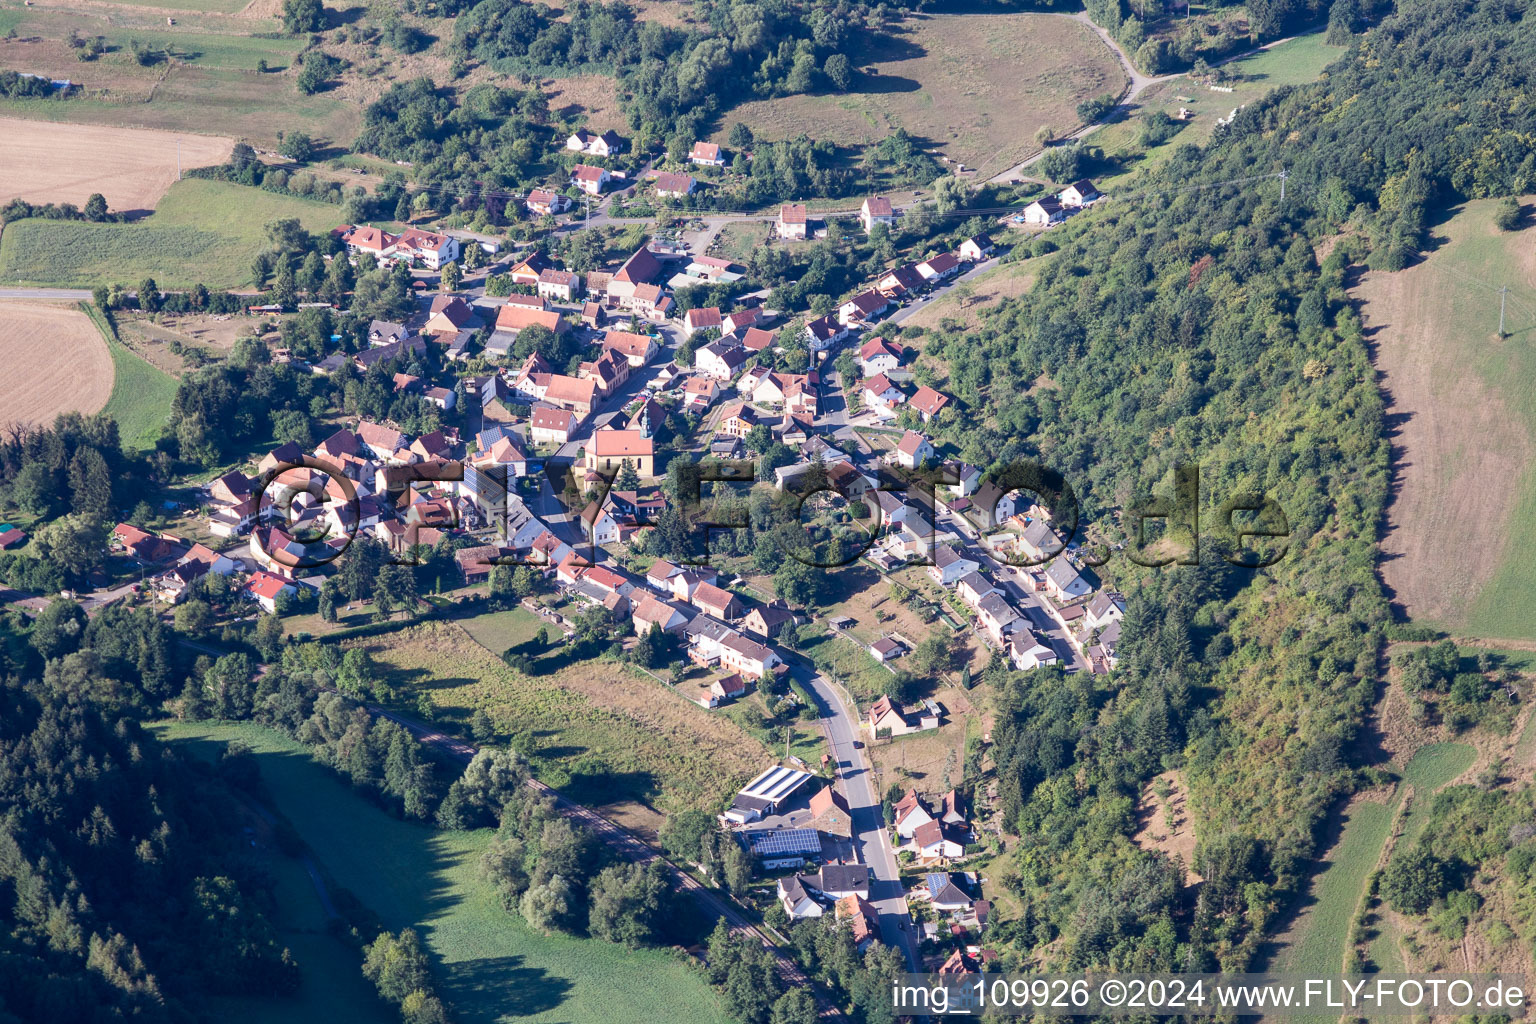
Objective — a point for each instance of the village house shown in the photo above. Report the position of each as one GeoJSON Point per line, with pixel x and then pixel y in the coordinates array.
{"type": "Point", "coordinates": [637, 349]}
{"type": "Point", "coordinates": [431, 248]}
{"type": "Point", "coordinates": [721, 360]}
{"type": "Point", "coordinates": [732, 324]}
{"type": "Point", "coordinates": [949, 566]}
{"type": "Point", "coordinates": [886, 715]}
{"type": "Point", "coordinates": [748, 657]}
{"type": "Point", "coordinates": [716, 601]}
{"type": "Point", "coordinates": [880, 355]}
{"type": "Point", "coordinates": [543, 202]}
{"type": "Point", "coordinates": [1064, 582]}
{"type": "Point", "coordinates": [265, 589]}
{"type": "Point", "coordinates": [701, 319]}
{"type": "Point", "coordinates": [146, 547]}
{"type": "Point", "coordinates": [767, 621]}
{"type": "Point", "coordinates": [1039, 542]}
{"type": "Point", "coordinates": [914, 450]}
{"type": "Point", "coordinates": [670, 185]}
{"type": "Point", "coordinates": [910, 814]}
{"type": "Point", "coordinates": [1106, 607]}
{"type": "Point", "coordinates": [976, 248]}
{"type": "Point", "coordinates": [526, 272]}
{"type": "Point", "coordinates": [607, 144]}
{"type": "Point", "coordinates": [973, 586]}
{"type": "Point", "coordinates": [793, 221]}
{"type": "Point", "coordinates": [642, 268]}
{"type": "Point", "coordinates": [511, 319]}
{"type": "Point", "coordinates": [363, 240]}
{"type": "Point", "coordinates": [608, 450]}
{"type": "Point", "coordinates": [699, 392]}
{"type": "Point", "coordinates": [939, 268]}
{"type": "Point", "coordinates": [551, 425]}
{"type": "Point", "coordinates": [997, 617]}
{"type": "Point", "coordinates": [755, 339]}
{"type": "Point", "coordinates": [706, 154]}
{"type": "Point", "coordinates": [936, 840]}
{"type": "Point", "coordinates": [947, 897]}
{"type": "Point", "coordinates": [881, 396]}
{"type": "Point", "coordinates": [862, 308]}
{"type": "Point", "coordinates": [862, 918]}
{"type": "Point", "coordinates": [886, 649]}
{"type": "Point", "coordinates": [559, 284]}
{"type": "Point", "coordinates": [574, 393]}
{"type": "Point", "coordinates": [649, 610]}
{"type": "Point", "coordinates": [824, 332]}
{"type": "Point", "coordinates": [927, 403]}
{"type": "Point", "coordinates": [602, 525]}
{"type": "Point", "coordinates": [1044, 212]}
{"type": "Point", "coordinates": [1026, 650]}
{"type": "Point", "coordinates": [610, 370]}
{"type": "Point", "coordinates": [589, 179]}
{"type": "Point", "coordinates": [796, 899]}
{"type": "Point", "coordinates": [738, 419]}
{"type": "Point", "coordinates": [898, 282]}
{"type": "Point", "coordinates": [1078, 194]}
{"type": "Point", "coordinates": [876, 210]}
{"type": "Point", "coordinates": [448, 316]}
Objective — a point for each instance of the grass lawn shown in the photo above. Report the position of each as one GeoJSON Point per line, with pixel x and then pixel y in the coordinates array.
{"type": "Point", "coordinates": [141, 394]}
{"type": "Point", "coordinates": [1468, 436]}
{"type": "Point", "coordinates": [491, 967]}
{"type": "Point", "coordinates": [496, 631]}
{"type": "Point", "coordinates": [203, 231]}
{"type": "Point", "coordinates": [608, 736]}
{"type": "Point", "coordinates": [973, 86]}
{"type": "Point", "coordinates": [1296, 62]}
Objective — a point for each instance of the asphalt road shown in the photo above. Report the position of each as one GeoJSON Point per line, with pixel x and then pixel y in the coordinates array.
{"type": "Point", "coordinates": [70, 294]}
{"type": "Point", "coordinates": [871, 840]}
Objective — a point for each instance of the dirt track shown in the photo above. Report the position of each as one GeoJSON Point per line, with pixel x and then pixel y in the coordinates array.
{"type": "Point", "coordinates": [56, 361]}
{"type": "Point", "coordinates": [48, 162]}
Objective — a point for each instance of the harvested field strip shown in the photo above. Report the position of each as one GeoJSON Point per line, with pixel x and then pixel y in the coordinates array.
{"type": "Point", "coordinates": [43, 162]}
{"type": "Point", "coordinates": [56, 361]}
{"type": "Point", "coordinates": [491, 967]}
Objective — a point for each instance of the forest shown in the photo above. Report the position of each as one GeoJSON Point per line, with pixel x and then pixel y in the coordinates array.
{"type": "Point", "coordinates": [1200, 324]}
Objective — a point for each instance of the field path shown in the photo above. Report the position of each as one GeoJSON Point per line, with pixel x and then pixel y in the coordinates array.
{"type": "Point", "coordinates": [56, 361]}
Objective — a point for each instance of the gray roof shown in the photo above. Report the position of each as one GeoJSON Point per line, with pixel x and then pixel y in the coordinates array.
{"type": "Point", "coordinates": [841, 878]}
{"type": "Point", "coordinates": [1063, 573]}
{"type": "Point", "coordinates": [977, 582]}
{"type": "Point", "coordinates": [709, 626]}
{"type": "Point", "coordinates": [1103, 601]}
{"type": "Point", "coordinates": [946, 556]}
{"type": "Point", "coordinates": [1042, 537]}
{"type": "Point", "coordinates": [995, 606]}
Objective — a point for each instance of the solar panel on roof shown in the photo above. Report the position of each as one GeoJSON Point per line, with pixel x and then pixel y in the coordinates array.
{"type": "Point", "coordinates": [792, 840]}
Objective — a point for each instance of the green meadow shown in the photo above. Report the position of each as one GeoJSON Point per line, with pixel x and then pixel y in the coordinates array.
{"type": "Point", "coordinates": [490, 966]}
{"type": "Point", "coordinates": [202, 231]}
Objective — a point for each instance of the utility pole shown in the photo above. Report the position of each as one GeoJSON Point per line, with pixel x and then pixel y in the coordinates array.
{"type": "Point", "coordinates": [1503, 293]}
{"type": "Point", "coordinates": [178, 158]}
{"type": "Point", "coordinates": [1283, 175]}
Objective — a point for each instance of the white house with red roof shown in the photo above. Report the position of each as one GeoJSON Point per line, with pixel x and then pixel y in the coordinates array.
{"type": "Point", "coordinates": [793, 221]}
{"type": "Point", "coordinates": [880, 355]}
{"type": "Point", "coordinates": [881, 396]}
{"type": "Point", "coordinates": [591, 180]}
{"type": "Point", "coordinates": [432, 248]}
{"type": "Point", "coordinates": [928, 403]}
{"type": "Point", "coordinates": [265, 589]}
{"type": "Point", "coordinates": [877, 210]}
{"type": "Point", "coordinates": [706, 154]}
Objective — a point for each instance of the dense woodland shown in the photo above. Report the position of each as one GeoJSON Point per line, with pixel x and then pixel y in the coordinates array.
{"type": "Point", "coordinates": [1199, 326]}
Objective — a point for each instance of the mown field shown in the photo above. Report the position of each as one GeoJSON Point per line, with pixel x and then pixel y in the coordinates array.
{"type": "Point", "coordinates": [975, 86]}
{"type": "Point", "coordinates": [141, 394]}
{"type": "Point", "coordinates": [966, 302]}
{"type": "Point", "coordinates": [202, 231]}
{"type": "Point", "coordinates": [1463, 517]}
{"type": "Point", "coordinates": [604, 734]}
{"type": "Point", "coordinates": [490, 966]}
{"type": "Point", "coordinates": [56, 362]}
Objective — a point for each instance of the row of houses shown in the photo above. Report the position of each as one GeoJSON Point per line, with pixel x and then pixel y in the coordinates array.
{"type": "Point", "coordinates": [1049, 210]}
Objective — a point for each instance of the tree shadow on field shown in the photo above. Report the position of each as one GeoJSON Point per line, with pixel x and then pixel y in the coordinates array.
{"type": "Point", "coordinates": [496, 988]}
{"type": "Point", "coordinates": [601, 787]}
